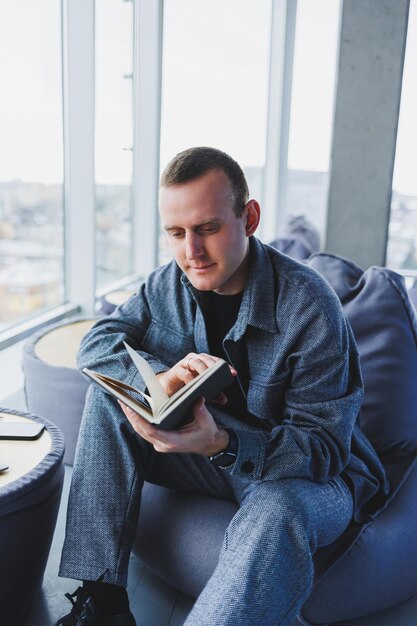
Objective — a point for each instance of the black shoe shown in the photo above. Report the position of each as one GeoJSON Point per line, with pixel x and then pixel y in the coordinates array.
{"type": "Point", "coordinates": [85, 612]}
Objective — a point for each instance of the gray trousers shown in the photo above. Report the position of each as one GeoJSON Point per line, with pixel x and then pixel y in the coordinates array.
{"type": "Point", "coordinates": [265, 569]}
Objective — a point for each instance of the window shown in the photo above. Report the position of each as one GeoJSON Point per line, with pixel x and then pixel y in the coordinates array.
{"type": "Point", "coordinates": [31, 160]}
{"type": "Point", "coordinates": [402, 240]}
{"type": "Point", "coordinates": [312, 101]}
{"type": "Point", "coordinates": [113, 140]}
{"type": "Point", "coordinates": [215, 82]}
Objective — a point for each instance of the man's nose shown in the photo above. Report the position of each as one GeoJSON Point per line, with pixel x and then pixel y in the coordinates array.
{"type": "Point", "coordinates": [193, 245]}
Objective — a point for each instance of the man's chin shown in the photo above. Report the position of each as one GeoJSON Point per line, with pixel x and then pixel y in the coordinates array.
{"type": "Point", "coordinates": [202, 283]}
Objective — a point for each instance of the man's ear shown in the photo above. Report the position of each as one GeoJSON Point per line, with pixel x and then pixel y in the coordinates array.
{"type": "Point", "coordinates": [253, 214]}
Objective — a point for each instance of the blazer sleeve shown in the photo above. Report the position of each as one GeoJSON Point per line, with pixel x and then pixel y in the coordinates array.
{"type": "Point", "coordinates": [102, 347]}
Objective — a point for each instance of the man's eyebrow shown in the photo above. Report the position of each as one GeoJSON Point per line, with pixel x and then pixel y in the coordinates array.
{"type": "Point", "coordinates": [203, 223]}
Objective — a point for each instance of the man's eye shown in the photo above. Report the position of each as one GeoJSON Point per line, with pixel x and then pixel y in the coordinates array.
{"type": "Point", "coordinates": [209, 229]}
{"type": "Point", "coordinates": [177, 234]}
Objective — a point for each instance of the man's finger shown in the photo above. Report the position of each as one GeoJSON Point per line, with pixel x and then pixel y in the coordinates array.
{"type": "Point", "coordinates": [140, 424]}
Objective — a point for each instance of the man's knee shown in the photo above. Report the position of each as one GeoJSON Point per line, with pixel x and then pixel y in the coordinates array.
{"type": "Point", "coordinates": [319, 512]}
{"type": "Point", "coordinates": [288, 496]}
{"type": "Point", "coordinates": [286, 506]}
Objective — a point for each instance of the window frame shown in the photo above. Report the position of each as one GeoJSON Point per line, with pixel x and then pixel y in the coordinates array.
{"type": "Point", "coordinates": [78, 40]}
{"type": "Point", "coordinates": [13, 334]}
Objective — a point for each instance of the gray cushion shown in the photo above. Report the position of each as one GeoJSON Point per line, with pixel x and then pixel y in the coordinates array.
{"type": "Point", "coordinates": [384, 323]}
{"type": "Point", "coordinates": [181, 542]}
{"type": "Point", "coordinates": [380, 569]}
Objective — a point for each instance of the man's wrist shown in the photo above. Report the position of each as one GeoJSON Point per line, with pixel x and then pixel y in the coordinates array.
{"type": "Point", "coordinates": [221, 442]}
{"type": "Point", "coordinates": [228, 454]}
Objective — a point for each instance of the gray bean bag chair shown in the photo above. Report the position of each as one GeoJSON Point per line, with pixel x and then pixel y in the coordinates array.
{"type": "Point", "coordinates": [372, 566]}
{"type": "Point", "coordinates": [54, 388]}
{"type": "Point", "coordinates": [111, 300]}
{"type": "Point", "coordinates": [301, 239]}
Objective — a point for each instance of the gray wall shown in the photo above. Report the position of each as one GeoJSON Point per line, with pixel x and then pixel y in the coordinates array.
{"type": "Point", "coordinates": [372, 44]}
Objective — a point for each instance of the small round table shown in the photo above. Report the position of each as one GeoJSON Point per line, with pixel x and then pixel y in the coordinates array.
{"type": "Point", "coordinates": [30, 492]}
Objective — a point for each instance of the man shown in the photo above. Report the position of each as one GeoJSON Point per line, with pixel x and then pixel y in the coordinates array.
{"type": "Point", "coordinates": [281, 440]}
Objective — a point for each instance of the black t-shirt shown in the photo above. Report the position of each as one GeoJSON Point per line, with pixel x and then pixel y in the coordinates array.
{"type": "Point", "coordinates": [220, 314]}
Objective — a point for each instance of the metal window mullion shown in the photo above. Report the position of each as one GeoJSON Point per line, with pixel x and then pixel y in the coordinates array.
{"type": "Point", "coordinates": [147, 79]}
{"type": "Point", "coordinates": [279, 104]}
{"type": "Point", "coordinates": [79, 114]}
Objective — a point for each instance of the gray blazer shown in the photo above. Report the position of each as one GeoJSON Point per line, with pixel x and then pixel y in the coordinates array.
{"type": "Point", "coordinates": [305, 380]}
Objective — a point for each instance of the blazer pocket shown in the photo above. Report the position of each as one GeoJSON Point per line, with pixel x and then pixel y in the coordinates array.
{"type": "Point", "coordinates": [266, 400]}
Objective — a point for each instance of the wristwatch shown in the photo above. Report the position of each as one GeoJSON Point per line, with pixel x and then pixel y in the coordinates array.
{"type": "Point", "coordinates": [226, 458]}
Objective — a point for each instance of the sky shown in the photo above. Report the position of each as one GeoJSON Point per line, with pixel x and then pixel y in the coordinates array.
{"type": "Point", "coordinates": [215, 86]}
{"type": "Point", "coordinates": [30, 105]}
{"type": "Point", "coordinates": [218, 93]}
{"type": "Point", "coordinates": [405, 168]}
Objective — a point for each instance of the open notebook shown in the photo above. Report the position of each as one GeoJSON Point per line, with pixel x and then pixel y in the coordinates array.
{"type": "Point", "coordinates": [165, 412]}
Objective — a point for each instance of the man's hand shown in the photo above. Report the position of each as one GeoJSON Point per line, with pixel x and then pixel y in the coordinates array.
{"type": "Point", "coordinates": [201, 436]}
{"type": "Point", "coordinates": [185, 370]}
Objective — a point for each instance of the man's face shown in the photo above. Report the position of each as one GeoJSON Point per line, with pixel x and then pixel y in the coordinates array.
{"type": "Point", "coordinates": [209, 243]}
